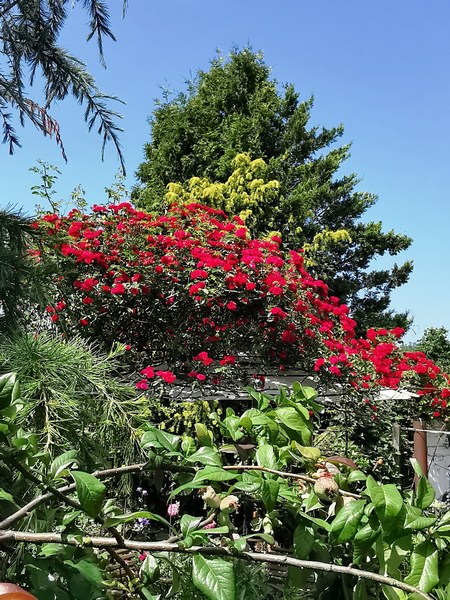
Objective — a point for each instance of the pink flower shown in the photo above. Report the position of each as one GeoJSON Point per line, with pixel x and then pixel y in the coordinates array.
{"type": "Point", "coordinates": [142, 556]}
{"type": "Point", "coordinates": [148, 372]}
{"type": "Point", "coordinates": [142, 385]}
{"type": "Point", "coordinates": [167, 376]}
{"type": "Point", "coordinates": [211, 525]}
{"type": "Point", "coordinates": [173, 509]}
{"type": "Point", "coordinates": [232, 305]}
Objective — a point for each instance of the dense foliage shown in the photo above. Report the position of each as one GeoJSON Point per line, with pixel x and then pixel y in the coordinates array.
{"type": "Point", "coordinates": [236, 107]}
{"type": "Point", "coordinates": [30, 49]}
{"type": "Point", "coordinates": [201, 509]}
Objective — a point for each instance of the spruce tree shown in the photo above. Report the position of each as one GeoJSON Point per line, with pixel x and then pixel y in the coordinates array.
{"type": "Point", "coordinates": [237, 107]}
{"type": "Point", "coordinates": [29, 47]}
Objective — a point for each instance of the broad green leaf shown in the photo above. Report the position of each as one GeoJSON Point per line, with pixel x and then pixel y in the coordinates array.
{"type": "Point", "coordinates": [206, 456]}
{"type": "Point", "coordinates": [158, 438]}
{"type": "Point", "coordinates": [149, 571]}
{"type": "Point", "coordinates": [291, 418]}
{"type": "Point", "coordinates": [386, 499]}
{"type": "Point", "coordinates": [188, 524]}
{"type": "Point", "coordinates": [90, 491]}
{"type": "Point", "coordinates": [51, 550]}
{"type": "Point", "coordinates": [269, 493]}
{"type": "Point", "coordinates": [424, 572]}
{"type": "Point", "coordinates": [9, 389]}
{"type": "Point", "coordinates": [417, 468]}
{"type": "Point", "coordinates": [309, 452]}
{"type": "Point", "coordinates": [140, 514]}
{"type": "Point", "coordinates": [6, 496]}
{"type": "Point", "coordinates": [303, 542]}
{"type": "Point", "coordinates": [425, 493]}
{"type": "Point", "coordinates": [88, 569]}
{"type": "Point", "coordinates": [203, 435]}
{"type": "Point", "coordinates": [214, 577]}
{"type": "Point", "coordinates": [248, 486]}
{"type": "Point", "coordinates": [320, 522]}
{"type": "Point", "coordinates": [188, 445]}
{"type": "Point", "coordinates": [367, 535]}
{"type": "Point", "coordinates": [246, 423]}
{"type": "Point", "coordinates": [360, 591]}
{"type": "Point", "coordinates": [63, 462]}
{"type": "Point", "coordinates": [265, 457]}
{"type": "Point", "coordinates": [392, 593]}
{"type": "Point", "coordinates": [184, 487]}
{"type": "Point", "coordinates": [356, 475]}
{"type": "Point", "coordinates": [298, 577]}
{"type": "Point", "coordinates": [149, 596]}
{"type": "Point", "coordinates": [346, 523]}
{"type": "Point", "coordinates": [214, 474]}
{"type": "Point", "coordinates": [415, 520]}
{"type": "Point", "coordinates": [395, 554]}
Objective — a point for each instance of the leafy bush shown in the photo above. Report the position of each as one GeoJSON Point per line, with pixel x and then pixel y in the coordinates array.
{"type": "Point", "coordinates": [268, 489]}
{"type": "Point", "coordinates": [201, 304]}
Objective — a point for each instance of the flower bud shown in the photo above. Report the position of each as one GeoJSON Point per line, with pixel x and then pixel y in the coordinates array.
{"type": "Point", "coordinates": [230, 504]}
{"type": "Point", "coordinates": [210, 498]}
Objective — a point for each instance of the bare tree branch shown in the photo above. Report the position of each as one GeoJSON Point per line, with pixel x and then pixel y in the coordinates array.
{"type": "Point", "coordinates": [279, 559]}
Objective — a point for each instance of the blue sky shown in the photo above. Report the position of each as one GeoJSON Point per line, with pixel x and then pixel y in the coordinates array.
{"type": "Point", "coordinates": [381, 68]}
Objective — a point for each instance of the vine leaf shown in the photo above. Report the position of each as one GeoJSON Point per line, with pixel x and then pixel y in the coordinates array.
{"type": "Point", "coordinates": [214, 577]}
{"type": "Point", "coordinates": [90, 491]}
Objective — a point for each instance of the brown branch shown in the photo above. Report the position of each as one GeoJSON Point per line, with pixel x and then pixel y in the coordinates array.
{"type": "Point", "coordinates": [280, 559]}
{"type": "Point", "coordinates": [136, 468]}
{"type": "Point", "coordinates": [51, 491]}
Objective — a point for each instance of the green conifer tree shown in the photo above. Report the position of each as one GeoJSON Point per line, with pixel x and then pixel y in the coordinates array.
{"type": "Point", "coordinates": [237, 107]}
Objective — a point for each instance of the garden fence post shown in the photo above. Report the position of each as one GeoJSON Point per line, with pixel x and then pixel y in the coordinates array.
{"type": "Point", "coordinates": [420, 446]}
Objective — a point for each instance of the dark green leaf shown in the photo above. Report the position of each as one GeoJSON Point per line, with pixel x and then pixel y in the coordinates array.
{"type": "Point", "coordinates": [303, 542]}
{"type": "Point", "coordinates": [63, 462]}
{"type": "Point", "coordinates": [214, 474]}
{"type": "Point", "coordinates": [291, 418]}
{"type": "Point", "coordinates": [90, 491]}
{"type": "Point", "coordinates": [386, 499]}
{"type": "Point", "coordinates": [265, 457]}
{"type": "Point", "coordinates": [425, 493]}
{"type": "Point", "coordinates": [269, 493]}
{"type": "Point", "coordinates": [206, 456]}
{"type": "Point", "coordinates": [214, 577]}
{"type": "Point", "coordinates": [188, 524]}
{"type": "Point", "coordinates": [424, 572]}
{"type": "Point", "coordinates": [9, 389]}
{"type": "Point", "coordinates": [140, 514]}
{"type": "Point", "coordinates": [346, 523]}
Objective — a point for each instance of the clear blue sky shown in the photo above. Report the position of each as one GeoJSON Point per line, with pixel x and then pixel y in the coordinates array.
{"type": "Point", "coordinates": [380, 67]}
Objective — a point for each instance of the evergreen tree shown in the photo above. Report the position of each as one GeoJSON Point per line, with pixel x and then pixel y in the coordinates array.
{"type": "Point", "coordinates": [236, 107]}
{"type": "Point", "coordinates": [436, 345]}
{"type": "Point", "coordinates": [29, 46]}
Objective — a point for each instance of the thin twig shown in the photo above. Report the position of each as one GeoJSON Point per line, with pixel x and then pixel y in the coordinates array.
{"type": "Point", "coordinates": [282, 474]}
{"type": "Point", "coordinates": [279, 559]}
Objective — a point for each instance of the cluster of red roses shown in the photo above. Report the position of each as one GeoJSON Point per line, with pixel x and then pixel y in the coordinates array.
{"type": "Point", "coordinates": [195, 298]}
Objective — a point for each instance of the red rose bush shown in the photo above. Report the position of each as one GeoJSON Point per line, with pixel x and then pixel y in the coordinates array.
{"type": "Point", "coordinates": [197, 301]}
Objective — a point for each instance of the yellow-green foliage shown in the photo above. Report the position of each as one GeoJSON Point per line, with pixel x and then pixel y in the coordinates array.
{"type": "Point", "coordinates": [246, 192]}
{"type": "Point", "coordinates": [324, 241]}
{"type": "Point", "coordinates": [180, 417]}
